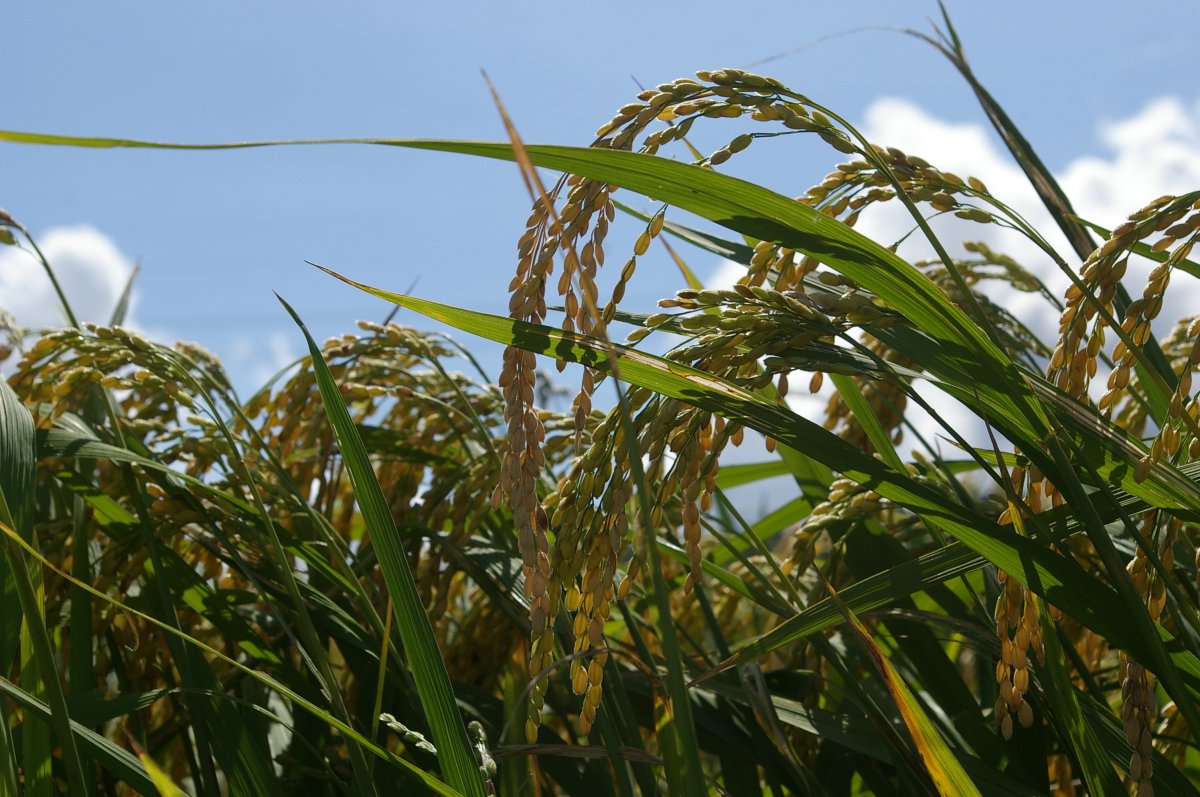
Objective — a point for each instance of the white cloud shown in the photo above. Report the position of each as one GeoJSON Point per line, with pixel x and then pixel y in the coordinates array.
{"type": "Point", "coordinates": [1156, 151]}
{"type": "Point", "coordinates": [725, 275]}
{"type": "Point", "coordinates": [252, 360]}
{"type": "Point", "coordinates": [93, 272]}
{"type": "Point", "coordinates": [88, 265]}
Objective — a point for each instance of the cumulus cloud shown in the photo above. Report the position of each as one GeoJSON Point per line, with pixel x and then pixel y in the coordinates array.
{"type": "Point", "coordinates": [1155, 151]}
{"type": "Point", "coordinates": [725, 275]}
{"type": "Point", "coordinates": [251, 361]}
{"type": "Point", "coordinates": [93, 273]}
{"type": "Point", "coordinates": [91, 269]}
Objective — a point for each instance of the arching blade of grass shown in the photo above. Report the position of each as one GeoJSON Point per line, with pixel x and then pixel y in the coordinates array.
{"type": "Point", "coordinates": [1167, 779]}
{"type": "Point", "coordinates": [1146, 251]}
{"type": "Point", "coordinates": [851, 393]}
{"type": "Point", "coordinates": [873, 592]}
{"type": "Point", "coordinates": [65, 443]}
{"type": "Point", "coordinates": [955, 348]}
{"type": "Point", "coordinates": [162, 781]}
{"type": "Point", "coordinates": [1094, 763]}
{"type": "Point", "coordinates": [952, 348]}
{"type": "Point", "coordinates": [766, 215]}
{"type": "Point", "coordinates": [121, 309]}
{"type": "Point", "coordinates": [902, 581]}
{"type": "Point", "coordinates": [420, 645]}
{"type": "Point", "coordinates": [1109, 450]}
{"type": "Point", "coordinates": [1060, 580]}
{"type": "Point", "coordinates": [1060, 693]}
{"type": "Point", "coordinates": [8, 754]}
{"type": "Point", "coordinates": [855, 733]}
{"type": "Point", "coordinates": [117, 760]}
{"type": "Point", "coordinates": [1043, 181]}
{"type": "Point", "coordinates": [720, 574]}
{"type": "Point", "coordinates": [751, 210]}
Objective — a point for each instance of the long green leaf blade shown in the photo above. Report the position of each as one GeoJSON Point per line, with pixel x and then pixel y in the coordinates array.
{"type": "Point", "coordinates": [420, 645]}
{"type": "Point", "coordinates": [1060, 580]}
{"type": "Point", "coordinates": [17, 469]}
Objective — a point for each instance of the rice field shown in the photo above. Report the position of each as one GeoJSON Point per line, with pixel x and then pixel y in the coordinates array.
{"type": "Point", "coordinates": [387, 572]}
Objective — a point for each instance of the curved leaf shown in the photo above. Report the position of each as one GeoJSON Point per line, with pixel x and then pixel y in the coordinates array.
{"type": "Point", "coordinates": [1058, 579]}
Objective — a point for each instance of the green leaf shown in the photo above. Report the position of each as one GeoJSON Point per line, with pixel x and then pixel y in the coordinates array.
{"type": "Point", "coordinates": [122, 307]}
{"type": "Point", "coordinates": [751, 210]}
{"type": "Point", "coordinates": [1094, 762]}
{"type": "Point", "coordinates": [738, 253]}
{"type": "Point", "coordinates": [420, 645]}
{"type": "Point", "coordinates": [298, 700]}
{"type": "Point", "coordinates": [1050, 192]}
{"type": "Point", "coordinates": [17, 472]}
{"type": "Point", "coordinates": [857, 734]}
{"type": "Point", "coordinates": [116, 760]}
{"type": "Point", "coordinates": [731, 476]}
{"type": "Point", "coordinates": [1146, 251]}
{"type": "Point", "coordinates": [66, 443]}
{"type": "Point", "coordinates": [851, 393]}
{"type": "Point", "coordinates": [1061, 580]}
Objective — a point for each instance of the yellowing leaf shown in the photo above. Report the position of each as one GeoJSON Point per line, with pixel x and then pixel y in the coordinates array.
{"type": "Point", "coordinates": [943, 766]}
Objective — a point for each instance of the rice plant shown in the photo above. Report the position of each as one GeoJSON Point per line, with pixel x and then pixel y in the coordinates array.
{"type": "Point", "coordinates": [381, 574]}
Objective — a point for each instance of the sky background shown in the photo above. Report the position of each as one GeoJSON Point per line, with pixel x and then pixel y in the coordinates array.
{"type": "Point", "coordinates": [1106, 94]}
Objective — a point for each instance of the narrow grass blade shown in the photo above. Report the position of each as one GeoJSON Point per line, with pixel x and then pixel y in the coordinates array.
{"type": "Point", "coordinates": [1167, 778]}
{"type": "Point", "coordinates": [677, 729]}
{"type": "Point", "coordinates": [115, 759]}
{"type": "Point", "coordinates": [65, 443]}
{"type": "Point", "coordinates": [1097, 772]}
{"type": "Point", "coordinates": [122, 307]}
{"type": "Point", "coordinates": [17, 469]}
{"type": "Point", "coordinates": [420, 645]}
{"type": "Point", "coordinates": [948, 775]}
{"type": "Point", "coordinates": [882, 589]}
{"type": "Point", "coordinates": [722, 575]}
{"type": "Point", "coordinates": [851, 393]}
{"type": "Point", "coordinates": [162, 781]}
{"type": "Point", "coordinates": [1044, 183]}
{"type": "Point", "coordinates": [1095, 764]}
{"type": "Point", "coordinates": [689, 277]}
{"type": "Point", "coordinates": [8, 754]}
{"type": "Point", "coordinates": [856, 734]}
{"type": "Point", "coordinates": [736, 475]}
{"type": "Point", "coordinates": [730, 250]}
{"type": "Point", "coordinates": [1146, 251]}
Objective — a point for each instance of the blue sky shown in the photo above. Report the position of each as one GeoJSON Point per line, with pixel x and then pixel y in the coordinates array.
{"type": "Point", "coordinates": [1090, 83]}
